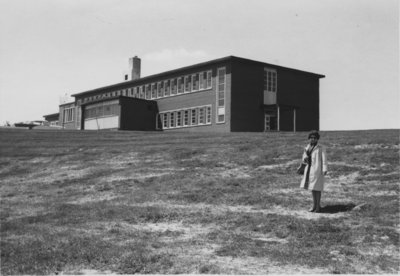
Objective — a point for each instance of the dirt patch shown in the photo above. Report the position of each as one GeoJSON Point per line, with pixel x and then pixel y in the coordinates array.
{"type": "Point", "coordinates": [238, 173]}
{"type": "Point", "coordinates": [347, 179]}
{"type": "Point", "coordinates": [260, 266]}
{"type": "Point", "coordinates": [375, 146]}
{"type": "Point", "coordinates": [350, 165]}
{"type": "Point", "coordinates": [94, 198]}
{"type": "Point", "coordinates": [275, 166]}
{"type": "Point", "coordinates": [95, 272]}
{"type": "Point", "coordinates": [221, 209]}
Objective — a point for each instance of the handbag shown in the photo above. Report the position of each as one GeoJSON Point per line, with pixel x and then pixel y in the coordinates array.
{"type": "Point", "coordinates": [301, 168]}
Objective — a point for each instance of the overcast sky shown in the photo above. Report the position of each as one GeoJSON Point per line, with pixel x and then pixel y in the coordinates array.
{"type": "Point", "coordinates": [49, 48]}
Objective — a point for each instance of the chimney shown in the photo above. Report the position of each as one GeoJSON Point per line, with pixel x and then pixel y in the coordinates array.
{"type": "Point", "coordinates": [134, 68]}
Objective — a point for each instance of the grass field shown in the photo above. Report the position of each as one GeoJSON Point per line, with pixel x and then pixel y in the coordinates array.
{"type": "Point", "coordinates": [76, 202]}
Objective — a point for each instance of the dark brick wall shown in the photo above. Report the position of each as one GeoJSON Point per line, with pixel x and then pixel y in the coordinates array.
{"type": "Point", "coordinates": [247, 97]}
{"type": "Point", "coordinates": [302, 90]}
{"type": "Point", "coordinates": [294, 89]}
{"type": "Point", "coordinates": [137, 114]}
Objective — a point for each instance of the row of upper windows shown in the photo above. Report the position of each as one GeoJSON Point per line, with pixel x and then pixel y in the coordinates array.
{"type": "Point", "coordinates": [194, 116]}
{"type": "Point", "coordinates": [171, 87]}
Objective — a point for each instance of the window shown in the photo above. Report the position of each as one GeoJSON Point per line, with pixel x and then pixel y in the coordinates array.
{"type": "Point", "coordinates": [101, 109]}
{"type": "Point", "coordinates": [180, 85]}
{"type": "Point", "coordinates": [195, 82]}
{"type": "Point", "coordinates": [221, 88]}
{"type": "Point", "coordinates": [172, 119]}
{"type": "Point", "coordinates": [202, 118]}
{"type": "Point", "coordinates": [209, 79]}
{"type": "Point", "coordinates": [107, 110]}
{"type": "Point", "coordinates": [208, 115]}
{"type": "Point", "coordinates": [68, 115]}
{"type": "Point", "coordinates": [165, 120]}
{"type": "Point", "coordinates": [187, 84]}
{"type": "Point", "coordinates": [173, 87]}
{"type": "Point", "coordinates": [194, 116]}
{"type": "Point", "coordinates": [166, 88]}
{"type": "Point", "coordinates": [141, 94]}
{"type": "Point", "coordinates": [221, 95]}
{"type": "Point", "coordinates": [186, 117]}
{"type": "Point", "coordinates": [203, 80]}
{"type": "Point", "coordinates": [160, 89]}
{"type": "Point", "coordinates": [153, 90]}
{"type": "Point", "coordinates": [270, 81]}
{"type": "Point", "coordinates": [179, 118]}
{"type": "Point", "coordinates": [148, 92]}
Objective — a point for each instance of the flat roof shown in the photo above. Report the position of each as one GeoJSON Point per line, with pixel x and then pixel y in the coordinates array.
{"type": "Point", "coordinates": [53, 114]}
{"type": "Point", "coordinates": [210, 62]}
{"type": "Point", "coordinates": [120, 97]}
{"type": "Point", "coordinates": [68, 103]}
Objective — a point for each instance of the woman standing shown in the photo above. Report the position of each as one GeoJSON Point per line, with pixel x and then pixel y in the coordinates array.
{"type": "Point", "coordinates": [313, 179]}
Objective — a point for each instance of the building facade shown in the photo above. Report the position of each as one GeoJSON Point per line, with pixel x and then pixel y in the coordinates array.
{"type": "Point", "coordinates": [222, 95]}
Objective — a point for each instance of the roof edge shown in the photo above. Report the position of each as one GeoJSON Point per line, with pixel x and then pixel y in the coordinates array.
{"type": "Point", "coordinates": [190, 67]}
{"type": "Point", "coordinates": [278, 66]}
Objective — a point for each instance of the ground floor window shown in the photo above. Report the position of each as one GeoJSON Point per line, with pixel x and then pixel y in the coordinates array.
{"type": "Point", "coordinates": [101, 110]}
{"type": "Point", "coordinates": [186, 117]}
{"type": "Point", "coordinates": [68, 115]}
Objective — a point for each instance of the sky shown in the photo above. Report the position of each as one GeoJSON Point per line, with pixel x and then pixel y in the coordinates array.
{"type": "Point", "coordinates": [50, 49]}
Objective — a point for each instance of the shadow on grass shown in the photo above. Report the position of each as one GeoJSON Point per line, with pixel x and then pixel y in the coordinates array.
{"type": "Point", "coordinates": [332, 209]}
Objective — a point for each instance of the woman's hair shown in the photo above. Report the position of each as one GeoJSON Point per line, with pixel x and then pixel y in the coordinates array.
{"type": "Point", "coordinates": [313, 133]}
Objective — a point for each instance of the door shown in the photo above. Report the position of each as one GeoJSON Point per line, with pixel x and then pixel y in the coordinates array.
{"type": "Point", "coordinates": [269, 122]}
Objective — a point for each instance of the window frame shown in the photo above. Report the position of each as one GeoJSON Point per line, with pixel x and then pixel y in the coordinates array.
{"type": "Point", "coordinates": [270, 80]}
{"type": "Point", "coordinates": [220, 95]}
{"type": "Point", "coordinates": [173, 87]}
{"type": "Point", "coordinates": [187, 86]}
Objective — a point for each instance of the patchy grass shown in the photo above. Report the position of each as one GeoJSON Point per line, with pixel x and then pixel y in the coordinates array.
{"type": "Point", "coordinates": [74, 202]}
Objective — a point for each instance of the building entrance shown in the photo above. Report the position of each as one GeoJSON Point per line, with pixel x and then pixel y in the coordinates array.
{"type": "Point", "coordinates": [270, 122]}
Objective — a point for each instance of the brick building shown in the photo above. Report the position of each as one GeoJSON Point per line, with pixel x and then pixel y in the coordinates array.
{"type": "Point", "coordinates": [227, 94]}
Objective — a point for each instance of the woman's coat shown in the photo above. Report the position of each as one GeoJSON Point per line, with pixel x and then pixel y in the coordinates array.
{"type": "Point", "coordinates": [318, 167]}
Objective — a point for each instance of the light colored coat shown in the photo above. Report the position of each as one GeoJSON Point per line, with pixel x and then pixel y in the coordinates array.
{"type": "Point", "coordinates": [318, 167]}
